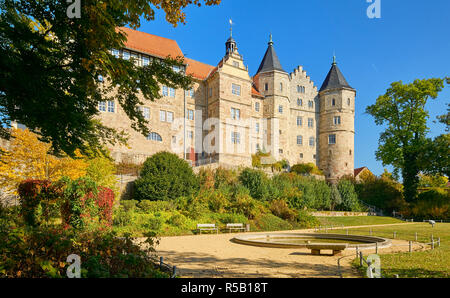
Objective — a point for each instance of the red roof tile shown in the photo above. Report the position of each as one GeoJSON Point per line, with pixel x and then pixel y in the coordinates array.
{"type": "Point", "coordinates": [197, 69]}
{"type": "Point", "coordinates": [151, 44]}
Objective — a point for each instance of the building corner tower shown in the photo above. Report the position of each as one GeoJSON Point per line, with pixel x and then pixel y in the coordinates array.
{"type": "Point", "coordinates": [336, 126]}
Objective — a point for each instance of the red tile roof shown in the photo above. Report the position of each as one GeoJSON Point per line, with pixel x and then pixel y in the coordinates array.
{"type": "Point", "coordinates": [255, 87]}
{"type": "Point", "coordinates": [197, 69]}
{"type": "Point", "coordinates": [151, 44]}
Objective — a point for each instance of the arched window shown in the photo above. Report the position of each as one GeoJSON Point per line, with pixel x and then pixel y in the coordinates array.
{"type": "Point", "coordinates": [154, 137]}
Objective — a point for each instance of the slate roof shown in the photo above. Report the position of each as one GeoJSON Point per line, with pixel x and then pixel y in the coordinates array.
{"type": "Point", "coordinates": [270, 61]}
{"type": "Point", "coordinates": [335, 79]}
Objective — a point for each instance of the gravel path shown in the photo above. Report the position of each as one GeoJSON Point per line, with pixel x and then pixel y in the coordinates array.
{"type": "Point", "coordinates": [215, 256]}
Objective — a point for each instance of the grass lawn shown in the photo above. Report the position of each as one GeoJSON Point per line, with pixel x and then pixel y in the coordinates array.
{"type": "Point", "coordinates": [425, 264]}
{"type": "Point", "coordinates": [357, 220]}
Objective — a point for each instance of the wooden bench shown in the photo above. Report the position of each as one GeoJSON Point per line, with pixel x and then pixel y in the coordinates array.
{"type": "Point", "coordinates": [336, 248]}
{"type": "Point", "coordinates": [207, 227]}
{"type": "Point", "coordinates": [236, 226]}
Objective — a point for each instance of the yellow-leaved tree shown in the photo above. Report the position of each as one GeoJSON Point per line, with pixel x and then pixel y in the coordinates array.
{"type": "Point", "coordinates": [28, 158]}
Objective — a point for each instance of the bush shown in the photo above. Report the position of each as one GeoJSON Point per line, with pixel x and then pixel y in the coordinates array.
{"type": "Point", "coordinates": [281, 209]}
{"type": "Point", "coordinates": [256, 181]}
{"type": "Point", "coordinates": [129, 205]}
{"type": "Point", "coordinates": [431, 204]}
{"type": "Point", "coordinates": [348, 195]}
{"type": "Point", "coordinates": [306, 169]}
{"type": "Point", "coordinates": [35, 195]}
{"type": "Point", "coordinates": [156, 206]}
{"type": "Point", "coordinates": [42, 253]}
{"type": "Point", "coordinates": [122, 218]}
{"type": "Point", "coordinates": [231, 218]}
{"type": "Point", "coordinates": [153, 224]}
{"type": "Point", "coordinates": [306, 220]}
{"type": "Point", "coordinates": [270, 222]}
{"type": "Point", "coordinates": [384, 193]}
{"type": "Point", "coordinates": [224, 177]}
{"type": "Point", "coordinates": [177, 220]}
{"type": "Point", "coordinates": [165, 177]}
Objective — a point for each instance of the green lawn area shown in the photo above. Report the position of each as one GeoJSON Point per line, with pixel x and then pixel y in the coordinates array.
{"type": "Point", "coordinates": [426, 264]}
{"type": "Point", "coordinates": [357, 220]}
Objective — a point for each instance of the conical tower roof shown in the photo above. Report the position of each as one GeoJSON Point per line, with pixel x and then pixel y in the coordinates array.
{"type": "Point", "coordinates": [335, 79]}
{"type": "Point", "coordinates": [270, 61]}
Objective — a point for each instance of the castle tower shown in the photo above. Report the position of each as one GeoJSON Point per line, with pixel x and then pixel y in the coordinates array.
{"type": "Point", "coordinates": [274, 86]}
{"type": "Point", "coordinates": [336, 126]}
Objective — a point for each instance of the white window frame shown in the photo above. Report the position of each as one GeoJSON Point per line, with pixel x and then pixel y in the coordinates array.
{"type": "Point", "coordinates": [111, 106]}
{"type": "Point", "coordinates": [236, 89]}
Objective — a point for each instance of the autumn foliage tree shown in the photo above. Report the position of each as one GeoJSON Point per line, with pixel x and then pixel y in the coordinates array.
{"type": "Point", "coordinates": [50, 68]}
{"type": "Point", "coordinates": [28, 158]}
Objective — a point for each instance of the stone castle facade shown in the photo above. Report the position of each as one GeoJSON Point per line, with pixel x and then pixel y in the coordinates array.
{"type": "Point", "coordinates": [229, 115]}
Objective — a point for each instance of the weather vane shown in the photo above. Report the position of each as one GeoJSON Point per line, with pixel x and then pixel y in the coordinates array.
{"type": "Point", "coordinates": [231, 27]}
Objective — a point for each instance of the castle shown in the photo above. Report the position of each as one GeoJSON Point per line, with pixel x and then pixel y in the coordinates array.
{"type": "Point", "coordinates": [229, 115]}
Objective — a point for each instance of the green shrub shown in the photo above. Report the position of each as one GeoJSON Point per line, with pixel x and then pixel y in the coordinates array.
{"type": "Point", "coordinates": [306, 169]}
{"type": "Point", "coordinates": [224, 177]}
{"type": "Point", "coordinates": [348, 195]}
{"type": "Point", "coordinates": [431, 204]}
{"type": "Point", "coordinates": [153, 224]}
{"type": "Point", "coordinates": [156, 206]}
{"type": "Point", "coordinates": [306, 220]}
{"type": "Point", "coordinates": [232, 218]}
{"type": "Point", "coordinates": [165, 177]}
{"type": "Point", "coordinates": [256, 181]}
{"type": "Point", "coordinates": [129, 205]}
{"type": "Point", "coordinates": [281, 209]}
{"type": "Point", "coordinates": [270, 222]}
{"type": "Point", "coordinates": [177, 220]}
{"type": "Point", "coordinates": [218, 202]}
{"type": "Point", "coordinates": [122, 218]}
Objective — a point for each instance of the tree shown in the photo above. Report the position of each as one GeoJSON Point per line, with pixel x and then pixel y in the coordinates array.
{"type": "Point", "coordinates": [28, 158]}
{"type": "Point", "coordinates": [165, 177]}
{"type": "Point", "coordinates": [402, 110]}
{"type": "Point", "coordinates": [51, 65]}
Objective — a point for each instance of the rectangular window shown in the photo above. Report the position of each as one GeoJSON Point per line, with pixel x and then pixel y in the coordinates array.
{"type": "Point", "coordinates": [135, 58]}
{"type": "Point", "coordinates": [236, 89]}
{"type": "Point", "coordinates": [280, 109]}
{"type": "Point", "coordinates": [169, 117]}
{"type": "Point", "coordinates": [210, 92]}
{"type": "Point", "coordinates": [310, 122]}
{"type": "Point", "coordinates": [235, 64]}
{"type": "Point", "coordinates": [116, 53]}
{"type": "Point", "coordinates": [301, 155]}
{"type": "Point", "coordinates": [332, 139]}
{"type": "Point", "coordinates": [162, 116]}
{"type": "Point", "coordinates": [235, 138]}
{"type": "Point", "coordinates": [257, 106]}
{"type": "Point", "coordinates": [299, 140]}
{"type": "Point", "coordinates": [312, 141]}
{"type": "Point", "coordinates": [165, 91]}
{"type": "Point", "coordinates": [190, 134]}
{"type": "Point", "coordinates": [337, 120]}
{"type": "Point", "coordinates": [266, 87]}
{"type": "Point", "coordinates": [102, 106]}
{"type": "Point", "coordinates": [172, 92]}
{"type": "Point", "coordinates": [299, 102]}
{"type": "Point", "coordinates": [257, 128]}
{"type": "Point", "coordinates": [145, 112]}
{"type": "Point", "coordinates": [235, 114]}
{"type": "Point", "coordinates": [174, 140]}
{"type": "Point", "coordinates": [190, 92]}
{"type": "Point", "coordinates": [145, 61]}
{"type": "Point", "coordinates": [111, 107]}
{"type": "Point", "coordinates": [126, 55]}
{"type": "Point", "coordinates": [310, 104]}
{"type": "Point", "coordinates": [190, 115]}
{"type": "Point", "coordinates": [299, 121]}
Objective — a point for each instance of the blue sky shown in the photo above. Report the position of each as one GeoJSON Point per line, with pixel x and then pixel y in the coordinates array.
{"type": "Point", "coordinates": [410, 41]}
